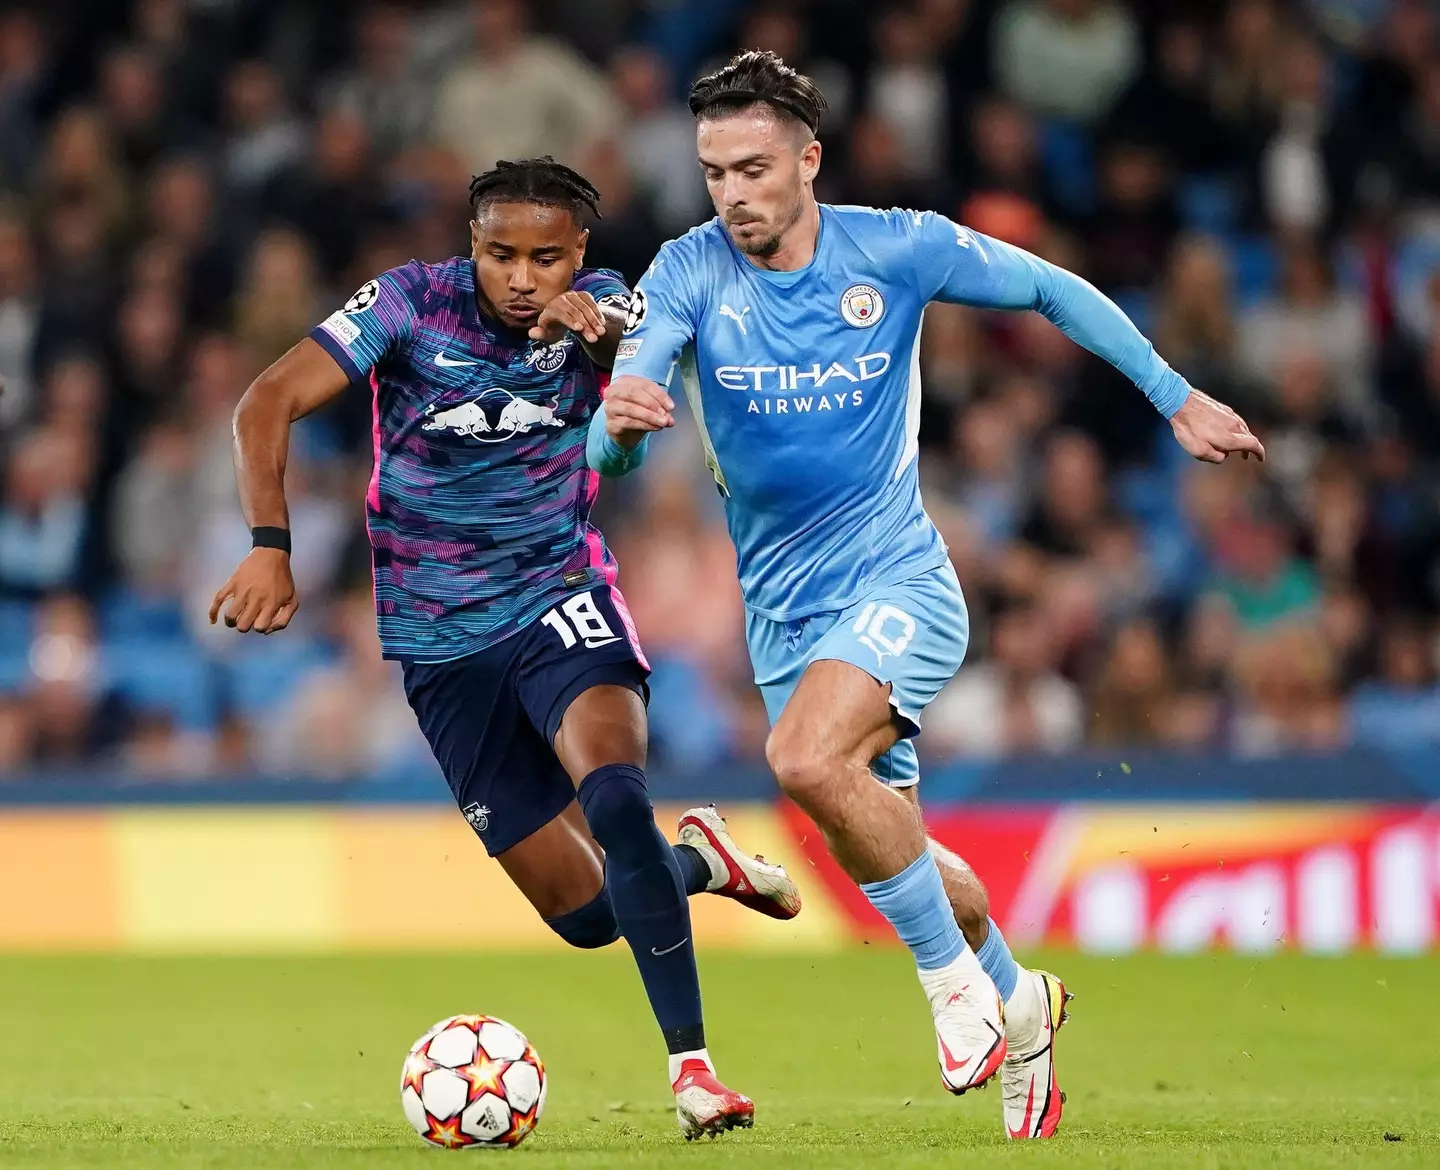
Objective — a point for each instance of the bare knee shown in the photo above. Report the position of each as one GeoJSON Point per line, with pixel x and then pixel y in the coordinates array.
{"type": "Point", "coordinates": [806, 771]}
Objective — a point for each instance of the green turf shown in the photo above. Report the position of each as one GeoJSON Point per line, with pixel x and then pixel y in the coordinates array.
{"type": "Point", "coordinates": [294, 1062]}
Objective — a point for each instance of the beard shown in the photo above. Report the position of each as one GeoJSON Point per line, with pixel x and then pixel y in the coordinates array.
{"type": "Point", "coordinates": [766, 242]}
{"type": "Point", "coordinates": [764, 246]}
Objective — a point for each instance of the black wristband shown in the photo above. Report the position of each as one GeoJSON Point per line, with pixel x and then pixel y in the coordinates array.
{"type": "Point", "coordinates": [269, 536]}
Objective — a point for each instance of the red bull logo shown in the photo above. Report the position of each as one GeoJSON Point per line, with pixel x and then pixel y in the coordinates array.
{"type": "Point", "coordinates": [516, 417]}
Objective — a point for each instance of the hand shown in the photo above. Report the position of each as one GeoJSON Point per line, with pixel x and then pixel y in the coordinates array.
{"type": "Point", "coordinates": [634, 407]}
{"type": "Point", "coordinates": [261, 593]}
{"type": "Point", "coordinates": [1210, 430]}
{"type": "Point", "coordinates": [570, 312]}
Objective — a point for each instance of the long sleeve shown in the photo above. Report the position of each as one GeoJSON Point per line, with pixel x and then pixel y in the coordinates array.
{"type": "Point", "coordinates": [964, 267]}
{"type": "Point", "coordinates": [605, 455]}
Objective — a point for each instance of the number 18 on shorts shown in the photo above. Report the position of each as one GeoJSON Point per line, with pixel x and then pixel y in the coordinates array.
{"type": "Point", "coordinates": [491, 717]}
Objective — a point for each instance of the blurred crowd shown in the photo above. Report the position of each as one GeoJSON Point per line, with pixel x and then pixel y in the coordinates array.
{"type": "Point", "coordinates": [187, 186]}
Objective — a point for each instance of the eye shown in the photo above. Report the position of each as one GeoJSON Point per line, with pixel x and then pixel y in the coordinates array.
{"type": "Point", "coordinates": [547, 261]}
{"type": "Point", "coordinates": [713, 174]}
{"type": "Point", "coordinates": [754, 172]}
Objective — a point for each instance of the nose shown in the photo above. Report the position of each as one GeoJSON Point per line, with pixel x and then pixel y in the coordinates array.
{"type": "Point", "coordinates": [522, 278]}
{"type": "Point", "coordinates": [732, 189]}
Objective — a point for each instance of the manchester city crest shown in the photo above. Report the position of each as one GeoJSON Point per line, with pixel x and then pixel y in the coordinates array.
{"type": "Point", "coordinates": [862, 305]}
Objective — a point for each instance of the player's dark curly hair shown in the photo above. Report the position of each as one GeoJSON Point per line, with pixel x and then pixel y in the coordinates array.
{"type": "Point", "coordinates": [758, 76]}
{"type": "Point", "coordinates": [535, 180]}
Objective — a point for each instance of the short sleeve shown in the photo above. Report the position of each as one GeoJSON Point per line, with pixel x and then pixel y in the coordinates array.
{"type": "Point", "coordinates": [372, 325]}
{"type": "Point", "coordinates": [662, 317]}
{"type": "Point", "coordinates": [605, 285]}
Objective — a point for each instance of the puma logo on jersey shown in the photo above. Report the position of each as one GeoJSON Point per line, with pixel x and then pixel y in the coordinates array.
{"type": "Point", "coordinates": [738, 318]}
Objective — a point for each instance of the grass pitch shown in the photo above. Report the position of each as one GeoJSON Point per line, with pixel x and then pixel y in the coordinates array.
{"type": "Point", "coordinates": [294, 1062]}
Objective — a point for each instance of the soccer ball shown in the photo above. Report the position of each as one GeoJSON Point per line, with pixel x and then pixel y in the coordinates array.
{"type": "Point", "coordinates": [472, 1081]}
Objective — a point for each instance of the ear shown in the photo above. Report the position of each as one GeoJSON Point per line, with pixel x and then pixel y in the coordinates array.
{"type": "Point", "coordinates": [580, 241]}
{"type": "Point", "coordinates": [810, 161]}
{"type": "Point", "coordinates": [474, 238]}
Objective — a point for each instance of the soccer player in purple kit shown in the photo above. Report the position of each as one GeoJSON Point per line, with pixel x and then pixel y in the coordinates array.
{"type": "Point", "coordinates": [495, 591]}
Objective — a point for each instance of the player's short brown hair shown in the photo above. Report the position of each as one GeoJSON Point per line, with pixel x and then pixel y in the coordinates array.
{"type": "Point", "coordinates": [762, 77]}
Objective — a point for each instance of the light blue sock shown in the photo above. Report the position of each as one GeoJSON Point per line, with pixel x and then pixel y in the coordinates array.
{"type": "Point", "coordinates": [994, 955]}
{"type": "Point", "coordinates": [914, 903]}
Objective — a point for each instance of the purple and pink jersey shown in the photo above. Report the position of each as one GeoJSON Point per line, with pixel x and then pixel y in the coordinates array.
{"type": "Point", "coordinates": [479, 502]}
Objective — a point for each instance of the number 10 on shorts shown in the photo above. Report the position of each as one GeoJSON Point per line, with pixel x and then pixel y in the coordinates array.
{"type": "Point", "coordinates": [578, 619]}
{"type": "Point", "coordinates": [885, 629]}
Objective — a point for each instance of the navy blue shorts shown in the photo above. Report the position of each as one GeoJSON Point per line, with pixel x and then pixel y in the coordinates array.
{"type": "Point", "coordinates": [491, 717]}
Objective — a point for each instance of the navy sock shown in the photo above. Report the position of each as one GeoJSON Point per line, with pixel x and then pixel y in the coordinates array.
{"type": "Point", "coordinates": [645, 887]}
{"type": "Point", "coordinates": [694, 870]}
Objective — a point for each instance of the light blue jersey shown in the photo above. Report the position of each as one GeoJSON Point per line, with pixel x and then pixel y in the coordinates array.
{"type": "Point", "coordinates": [806, 389]}
{"type": "Point", "coordinates": [805, 386]}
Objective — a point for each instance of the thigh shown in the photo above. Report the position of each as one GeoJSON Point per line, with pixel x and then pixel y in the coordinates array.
{"type": "Point", "coordinates": [837, 711]}
{"type": "Point", "coordinates": [559, 867]}
{"type": "Point", "coordinates": [503, 775]}
{"type": "Point", "coordinates": [603, 724]}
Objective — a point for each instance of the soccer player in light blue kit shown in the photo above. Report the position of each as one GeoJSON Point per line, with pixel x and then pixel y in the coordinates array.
{"type": "Point", "coordinates": [794, 329]}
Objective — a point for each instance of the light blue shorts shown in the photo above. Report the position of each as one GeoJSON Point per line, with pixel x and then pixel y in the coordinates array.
{"type": "Point", "coordinates": [912, 635]}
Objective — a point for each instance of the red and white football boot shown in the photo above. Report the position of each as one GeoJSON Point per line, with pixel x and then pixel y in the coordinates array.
{"type": "Point", "coordinates": [1033, 1100]}
{"type": "Point", "coordinates": [755, 883]}
{"type": "Point", "coordinates": [704, 1106]}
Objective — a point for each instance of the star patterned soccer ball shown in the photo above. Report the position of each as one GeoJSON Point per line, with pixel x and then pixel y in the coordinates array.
{"type": "Point", "coordinates": [472, 1081]}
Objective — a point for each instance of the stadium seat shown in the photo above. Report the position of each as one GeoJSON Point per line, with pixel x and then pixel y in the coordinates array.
{"type": "Point", "coordinates": [126, 615]}
{"type": "Point", "coordinates": [1068, 157]}
{"type": "Point", "coordinates": [1256, 265]}
{"type": "Point", "coordinates": [262, 674]}
{"type": "Point", "coordinates": [687, 719]}
{"type": "Point", "coordinates": [170, 675]}
{"type": "Point", "coordinates": [1208, 204]}
{"type": "Point", "coordinates": [14, 670]}
{"type": "Point", "coordinates": [17, 624]}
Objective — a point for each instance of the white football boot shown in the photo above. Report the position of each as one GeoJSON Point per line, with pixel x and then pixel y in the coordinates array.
{"type": "Point", "coordinates": [1033, 1100]}
{"type": "Point", "coordinates": [752, 881]}
{"type": "Point", "coordinates": [969, 1022]}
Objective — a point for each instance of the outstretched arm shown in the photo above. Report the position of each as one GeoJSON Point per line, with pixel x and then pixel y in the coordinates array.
{"type": "Point", "coordinates": [966, 267]}
{"type": "Point", "coordinates": [261, 592]}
